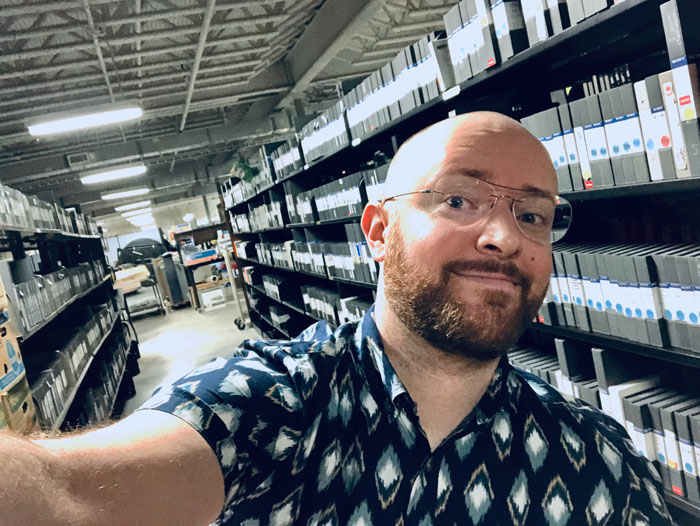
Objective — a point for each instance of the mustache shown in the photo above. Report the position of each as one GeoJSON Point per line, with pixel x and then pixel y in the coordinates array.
{"type": "Point", "coordinates": [506, 268]}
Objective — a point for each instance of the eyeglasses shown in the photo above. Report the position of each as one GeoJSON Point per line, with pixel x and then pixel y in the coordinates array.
{"type": "Point", "coordinates": [465, 200]}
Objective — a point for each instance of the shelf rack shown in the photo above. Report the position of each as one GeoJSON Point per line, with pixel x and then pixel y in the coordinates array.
{"type": "Point", "coordinates": [69, 400]}
{"type": "Point", "coordinates": [28, 334]}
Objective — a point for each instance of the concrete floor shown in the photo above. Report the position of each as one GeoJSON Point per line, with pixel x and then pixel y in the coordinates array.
{"type": "Point", "coordinates": [173, 345]}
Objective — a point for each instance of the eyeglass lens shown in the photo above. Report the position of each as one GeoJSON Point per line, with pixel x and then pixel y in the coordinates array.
{"type": "Point", "coordinates": [466, 200]}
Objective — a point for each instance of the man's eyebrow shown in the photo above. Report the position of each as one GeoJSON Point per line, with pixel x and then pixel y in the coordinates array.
{"type": "Point", "coordinates": [486, 176]}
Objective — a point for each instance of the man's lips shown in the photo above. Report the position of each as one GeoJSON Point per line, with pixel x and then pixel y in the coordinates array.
{"type": "Point", "coordinates": [493, 279]}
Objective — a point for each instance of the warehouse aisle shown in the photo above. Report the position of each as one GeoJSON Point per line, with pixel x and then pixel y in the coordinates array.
{"type": "Point", "coordinates": [173, 345]}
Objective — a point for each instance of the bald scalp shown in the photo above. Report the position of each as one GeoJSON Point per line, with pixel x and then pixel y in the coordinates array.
{"type": "Point", "coordinates": [420, 158]}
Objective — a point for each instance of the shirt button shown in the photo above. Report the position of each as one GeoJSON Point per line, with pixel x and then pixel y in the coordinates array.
{"type": "Point", "coordinates": [429, 464]}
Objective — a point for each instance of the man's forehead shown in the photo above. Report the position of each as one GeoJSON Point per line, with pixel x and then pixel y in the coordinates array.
{"type": "Point", "coordinates": [489, 146]}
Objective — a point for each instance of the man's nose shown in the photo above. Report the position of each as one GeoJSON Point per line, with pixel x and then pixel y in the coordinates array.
{"type": "Point", "coordinates": [500, 235]}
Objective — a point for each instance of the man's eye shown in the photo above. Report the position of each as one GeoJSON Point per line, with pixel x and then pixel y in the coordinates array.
{"type": "Point", "coordinates": [531, 218]}
{"type": "Point", "coordinates": [459, 202]}
{"type": "Point", "coordinates": [455, 201]}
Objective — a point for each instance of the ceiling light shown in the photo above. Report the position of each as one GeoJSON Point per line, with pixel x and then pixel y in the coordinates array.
{"type": "Point", "coordinates": [132, 206]}
{"type": "Point", "coordinates": [111, 175]}
{"type": "Point", "coordinates": [127, 193]}
{"type": "Point", "coordinates": [144, 219]}
{"type": "Point", "coordinates": [188, 217]}
{"type": "Point", "coordinates": [138, 212]}
{"type": "Point", "coordinates": [69, 121]}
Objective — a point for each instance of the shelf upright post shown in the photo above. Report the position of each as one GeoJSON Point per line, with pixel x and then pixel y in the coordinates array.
{"type": "Point", "coordinates": [16, 243]}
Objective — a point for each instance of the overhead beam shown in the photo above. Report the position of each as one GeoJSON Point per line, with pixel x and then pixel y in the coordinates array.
{"type": "Point", "coordinates": [161, 111]}
{"type": "Point", "coordinates": [130, 56]}
{"type": "Point", "coordinates": [138, 82]}
{"type": "Point", "coordinates": [335, 23]}
{"type": "Point", "coordinates": [128, 40]}
{"type": "Point", "coordinates": [82, 79]}
{"type": "Point", "coordinates": [113, 154]}
{"type": "Point", "coordinates": [149, 35]}
{"type": "Point", "coordinates": [206, 22]}
{"type": "Point", "coordinates": [53, 6]}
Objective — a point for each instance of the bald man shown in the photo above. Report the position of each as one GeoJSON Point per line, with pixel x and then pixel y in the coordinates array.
{"type": "Point", "coordinates": [411, 416]}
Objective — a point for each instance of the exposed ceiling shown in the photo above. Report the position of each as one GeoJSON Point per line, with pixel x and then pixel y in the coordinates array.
{"type": "Point", "coordinates": [215, 79]}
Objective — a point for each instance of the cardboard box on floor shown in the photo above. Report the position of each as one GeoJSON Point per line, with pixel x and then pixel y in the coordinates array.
{"type": "Point", "coordinates": [19, 413]}
{"type": "Point", "coordinates": [11, 365]}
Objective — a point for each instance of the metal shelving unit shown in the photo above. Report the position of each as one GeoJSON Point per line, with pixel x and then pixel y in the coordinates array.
{"type": "Point", "coordinates": [62, 415]}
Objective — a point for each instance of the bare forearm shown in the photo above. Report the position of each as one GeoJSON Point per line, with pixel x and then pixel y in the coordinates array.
{"type": "Point", "coordinates": [32, 490]}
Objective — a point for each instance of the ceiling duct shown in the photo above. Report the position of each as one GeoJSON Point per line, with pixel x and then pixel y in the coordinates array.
{"type": "Point", "coordinates": [80, 160]}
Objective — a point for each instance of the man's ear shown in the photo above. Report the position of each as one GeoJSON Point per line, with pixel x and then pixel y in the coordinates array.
{"type": "Point", "coordinates": [374, 222]}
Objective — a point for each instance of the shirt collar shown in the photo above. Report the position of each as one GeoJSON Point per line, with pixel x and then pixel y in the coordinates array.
{"type": "Point", "coordinates": [368, 345]}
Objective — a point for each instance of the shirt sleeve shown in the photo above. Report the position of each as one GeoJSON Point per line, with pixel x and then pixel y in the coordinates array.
{"type": "Point", "coordinates": [245, 407]}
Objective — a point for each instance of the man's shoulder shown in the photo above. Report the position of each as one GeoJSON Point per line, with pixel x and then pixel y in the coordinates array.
{"type": "Point", "coordinates": [316, 351]}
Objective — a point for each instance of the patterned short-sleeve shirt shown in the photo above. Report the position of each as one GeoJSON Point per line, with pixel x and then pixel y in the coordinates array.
{"type": "Point", "coordinates": [320, 431]}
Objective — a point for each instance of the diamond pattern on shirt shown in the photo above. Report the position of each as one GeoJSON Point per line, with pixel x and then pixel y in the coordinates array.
{"type": "Point", "coordinates": [388, 476]}
{"type": "Point", "coordinates": [519, 500]}
{"type": "Point", "coordinates": [536, 445]}
{"type": "Point", "coordinates": [600, 508]}
{"type": "Point", "coordinates": [320, 431]}
{"type": "Point", "coordinates": [573, 446]}
{"type": "Point", "coordinates": [478, 494]}
{"type": "Point", "coordinates": [557, 503]}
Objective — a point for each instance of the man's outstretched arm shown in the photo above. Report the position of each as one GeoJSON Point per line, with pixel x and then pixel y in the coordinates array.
{"type": "Point", "coordinates": [149, 469]}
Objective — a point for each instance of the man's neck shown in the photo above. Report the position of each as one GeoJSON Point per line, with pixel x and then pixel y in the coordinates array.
{"type": "Point", "coordinates": [445, 387]}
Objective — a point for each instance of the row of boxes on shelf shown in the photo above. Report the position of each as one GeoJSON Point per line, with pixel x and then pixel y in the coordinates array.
{"type": "Point", "coordinates": [236, 189]}
{"type": "Point", "coordinates": [318, 302]}
{"type": "Point", "coordinates": [417, 75]}
{"type": "Point", "coordinates": [97, 399]}
{"type": "Point", "coordinates": [480, 34]}
{"type": "Point", "coordinates": [261, 217]}
{"type": "Point", "coordinates": [649, 293]}
{"type": "Point", "coordinates": [330, 306]}
{"type": "Point", "coordinates": [335, 200]}
{"type": "Point", "coordinates": [349, 260]}
{"type": "Point", "coordinates": [485, 33]}
{"type": "Point", "coordinates": [17, 411]}
{"type": "Point", "coordinates": [53, 374]}
{"type": "Point", "coordinates": [287, 159]}
{"type": "Point", "coordinates": [625, 135]}
{"type": "Point", "coordinates": [663, 422]}
{"type": "Point", "coordinates": [38, 298]}
{"type": "Point", "coordinates": [29, 212]}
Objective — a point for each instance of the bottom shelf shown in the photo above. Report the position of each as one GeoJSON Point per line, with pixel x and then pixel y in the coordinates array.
{"type": "Point", "coordinates": [269, 322]}
{"type": "Point", "coordinates": [684, 506]}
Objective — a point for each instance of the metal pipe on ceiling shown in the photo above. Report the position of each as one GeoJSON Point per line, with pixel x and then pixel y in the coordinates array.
{"type": "Point", "coordinates": [137, 45]}
{"type": "Point", "coordinates": [130, 56]}
{"type": "Point", "coordinates": [206, 22]}
{"type": "Point", "coordinates": [53, 6]}
{"type": "Point", "coordinates": [31, 9]}
{"type": "Point", "coordinates": [125, 40]}
{"type": "Point", "coordinates": [54, 83]}
{"type": "Point", "coordinates": [128, 40]}
{"type": "Point", "coordinates": [100, 58]}
{"type": "Point", "coordinates": [68, 94]}
{"type": "Point", "coordinates": [150, 113]}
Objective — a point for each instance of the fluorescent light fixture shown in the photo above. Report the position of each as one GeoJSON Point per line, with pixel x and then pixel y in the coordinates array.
{"type": "Point", "coordinates": [138, 212]}
{"type": "Point", "coordinates": [125, 194]}
{"type": "Point", "coordinates": [69, 121]}
{"type": "Point", "coordinates": [132, 206]}
{"type": "Point", "coordinates": [111, 175]}
{"type": "Point", "coordinates": [144, 219]}
{"type": "Point", "coordinates": [188, 217]}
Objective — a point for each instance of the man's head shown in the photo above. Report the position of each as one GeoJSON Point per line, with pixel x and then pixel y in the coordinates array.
{"type": "Point", "coordinates": [467, 283]}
